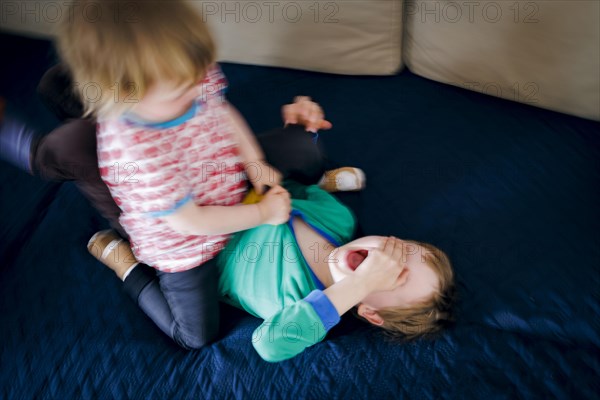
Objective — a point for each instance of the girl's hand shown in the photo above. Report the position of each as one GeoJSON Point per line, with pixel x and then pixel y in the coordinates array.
{"type": "Point", "coordinates": [383, 269]}
{"type": "Point", "coordinates": [262, 174]}
{"type": "Point", "coordinates": [305, 112]}
{"type": "Point", "coordinates": [275, 207]}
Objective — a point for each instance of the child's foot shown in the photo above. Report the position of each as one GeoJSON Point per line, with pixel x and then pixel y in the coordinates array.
{"type": "Point", "coordinates": [113, 251]}
{"type": "Point", "coordinates": [345, 179]}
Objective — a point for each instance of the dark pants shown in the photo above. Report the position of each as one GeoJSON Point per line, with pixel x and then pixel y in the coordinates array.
{"type": "Point", "coordinates": [184, 305]}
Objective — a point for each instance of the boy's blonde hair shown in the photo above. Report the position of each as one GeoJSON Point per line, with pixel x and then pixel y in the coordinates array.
{"type": "Point", "coordinates": [120, 48]}
{"type": "Point", "coordinates": [428, 316]}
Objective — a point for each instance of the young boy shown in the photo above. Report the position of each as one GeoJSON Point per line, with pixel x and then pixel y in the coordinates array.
{"type": "Point", "coordinates": [300, 277]}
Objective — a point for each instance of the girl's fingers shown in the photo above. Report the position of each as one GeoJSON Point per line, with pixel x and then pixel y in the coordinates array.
{"type": "Point", "coordinates": [276, 189]}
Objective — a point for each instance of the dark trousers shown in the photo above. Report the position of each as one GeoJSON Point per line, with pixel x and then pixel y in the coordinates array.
{"type": "Point", "coordinates": [184, 305]}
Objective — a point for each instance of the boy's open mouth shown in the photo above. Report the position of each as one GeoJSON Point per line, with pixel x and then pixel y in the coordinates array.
{"type": "Point", "coordinates": [355, 258]}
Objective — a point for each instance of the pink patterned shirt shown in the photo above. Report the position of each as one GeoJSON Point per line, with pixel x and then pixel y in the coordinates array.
{"type": "Point", "coordinates": [152, 169]}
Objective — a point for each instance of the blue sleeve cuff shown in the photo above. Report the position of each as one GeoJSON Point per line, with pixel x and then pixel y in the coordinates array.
{"type": "Point", "coordinates": [163, 213]}
{"type": "Point", "coordinates": [324, 308]}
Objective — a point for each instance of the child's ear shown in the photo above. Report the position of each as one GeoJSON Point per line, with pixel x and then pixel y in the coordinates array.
{"type": "Point", "coordinates": [370, 314]}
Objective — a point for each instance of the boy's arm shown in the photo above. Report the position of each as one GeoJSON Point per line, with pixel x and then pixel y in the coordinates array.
{"type": "Point", "coordinates": [306, 322]}
{"type": "Point", "coordinates": [300, 325]}
{"type": "Point", "coordinates": [291, 330]}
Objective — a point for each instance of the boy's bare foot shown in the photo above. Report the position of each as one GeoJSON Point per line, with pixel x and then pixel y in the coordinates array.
{"type": "Point", "coordinates": [345, 179]}
{"type": "Point", "coordinates": [113, 251]}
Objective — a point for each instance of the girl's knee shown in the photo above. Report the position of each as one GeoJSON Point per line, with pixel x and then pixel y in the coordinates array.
{"type": "Point", "coordinates": [197, 340]}
{"type": "Point", "coordinates": [68, 152]}
{"type": "Point", "coordinates": [56, 91]}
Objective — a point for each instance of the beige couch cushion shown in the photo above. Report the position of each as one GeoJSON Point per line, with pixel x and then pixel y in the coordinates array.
{"type": "Point", "coordinates": [344, 36]}
{"type": "Point", "coordinates": [31, 18]}
{"type": "Point", "coordinates": [544, 53]}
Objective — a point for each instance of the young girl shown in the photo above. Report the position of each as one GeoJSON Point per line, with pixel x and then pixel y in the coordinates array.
{"type": "Point", "coordinates": [173, 153]}
{"type": "Point", "coordinates": [300, 277]}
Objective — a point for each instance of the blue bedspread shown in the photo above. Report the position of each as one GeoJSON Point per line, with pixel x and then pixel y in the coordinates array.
{"type": "Point", "coordinates": [509, 191]}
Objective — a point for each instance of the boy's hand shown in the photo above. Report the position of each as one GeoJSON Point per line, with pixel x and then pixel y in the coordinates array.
{"type": "Point", "coordinates": [261, 174]}
{"type": "Point", "coordinates": [305, 112]}
{"type": "Point", "coordinates": [383, 269]}
{"type": "Point", "coordinates": [275, 207]}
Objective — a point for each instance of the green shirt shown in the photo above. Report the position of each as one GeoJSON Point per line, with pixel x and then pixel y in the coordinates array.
{"type": "Point", "coordinates": [264, 272]}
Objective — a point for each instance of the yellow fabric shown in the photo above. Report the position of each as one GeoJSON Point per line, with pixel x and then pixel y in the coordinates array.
{"type": "Point", "coordinates": [252, 197]}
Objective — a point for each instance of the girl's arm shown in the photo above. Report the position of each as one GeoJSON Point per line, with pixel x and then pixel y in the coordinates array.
{"type": "Point", "coordinates": [191, 219]}
{"type": "Point", "coordinates": [259, 172]}
{"type": "Point", "coordinates": [249, 148]}
{"type": "Point", "coordinates": [216, 220]}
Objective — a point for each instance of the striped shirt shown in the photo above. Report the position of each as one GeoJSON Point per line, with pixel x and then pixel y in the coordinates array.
{"type": "Point", "coordinates": [152, 169]}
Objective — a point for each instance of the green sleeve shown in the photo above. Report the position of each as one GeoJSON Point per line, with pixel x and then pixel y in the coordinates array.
{"type": "Point", "coordinates": [290, 331]}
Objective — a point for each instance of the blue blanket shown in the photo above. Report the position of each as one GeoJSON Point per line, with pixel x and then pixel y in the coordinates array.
{"type": "Point", "coordinates": [509, 191]}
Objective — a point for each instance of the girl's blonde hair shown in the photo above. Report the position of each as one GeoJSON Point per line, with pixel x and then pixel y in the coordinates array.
{"type": "Point", "coordinates": [117, 49]}
{"type": "Point", "coordinates": [428, 316]}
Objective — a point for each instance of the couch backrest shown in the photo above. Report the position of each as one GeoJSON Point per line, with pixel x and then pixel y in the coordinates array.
{"type": "Point", "coordinates": [544, 53]}
{"type": "Point", "coordinates": [344, 37]}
